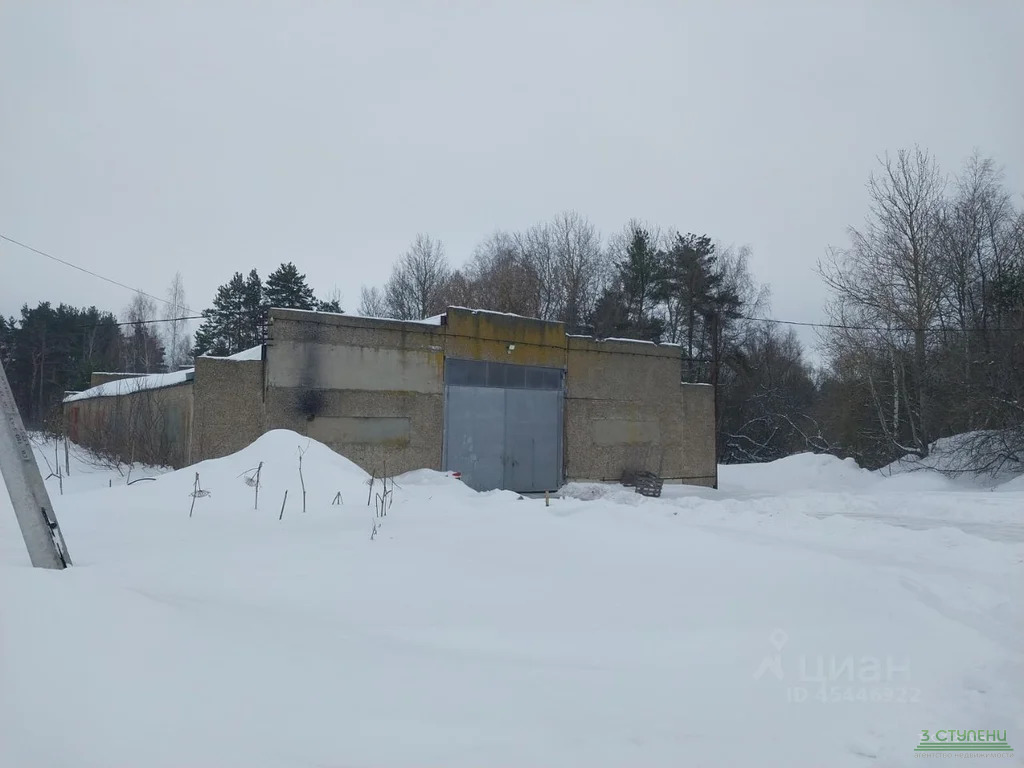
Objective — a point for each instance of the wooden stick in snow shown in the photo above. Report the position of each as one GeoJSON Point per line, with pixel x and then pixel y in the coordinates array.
{"type": "Point", "coordinates": [258, 470]}
{"type": "Point", "coordinates": [195, 492]}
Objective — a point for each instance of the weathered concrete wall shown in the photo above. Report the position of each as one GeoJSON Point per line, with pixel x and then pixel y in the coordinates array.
{"type": "Point", "coordinates": [625, 410]}
{"type": "Point", "coordinates": [228, 406]}
{"type": "Point", "coordinates": [150, 426]}
{"type": "Point", "coordinates": [471, 335]}
{"type": "Point", "coordinates": [370, 389]}
{"type": "Point", "coordinates": [373, 390]}
{"type": "Point", "coordinates": [700, 457]}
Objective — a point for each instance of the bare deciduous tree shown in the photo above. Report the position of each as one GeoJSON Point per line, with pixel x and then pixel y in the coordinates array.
{"type": "Point", "coordinates": [538, 250]}
{"type": "Point", "coordinates": [577, 267]}
{"type": "Point", "coordinates": [501, 277]}
{"type": "Point", "coordinates": [177, 333]}
{"type": "Point", "coordinates": [415, 288]}
{"type": "Point", "coordinates": [142, 350]}
{"type": "Point", "coordinates": [372, 302]}
{"type": "Point", "coordinates": [891, 278]}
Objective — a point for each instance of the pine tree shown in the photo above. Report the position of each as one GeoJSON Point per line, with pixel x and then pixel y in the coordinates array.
{"type": "Point", "coordinates": [236, 320]}
{"type": "Point", "coordinates": [640, 276]}
{"type": "Point", "coordinates": [629, 306]}
{"type": "Point", "coordinates": [7, 337]}
{"type": "Point", "coordinates": [287, 289]}
{"type": "Point", "coordinates": [254, 312]}
{"type": "Point", "coordinates": [609, 318]}
{"type": "Point", "coordinates": [329, 305]}
{"type": "Point", "coordinates": [690, 281]}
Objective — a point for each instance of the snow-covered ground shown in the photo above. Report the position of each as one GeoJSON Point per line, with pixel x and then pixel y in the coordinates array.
{"type": "Point", "coordinates": [807, 614]}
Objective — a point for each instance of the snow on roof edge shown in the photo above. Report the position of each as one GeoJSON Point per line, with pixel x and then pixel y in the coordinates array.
{"type": "Point", "coordinates": [435, 320]}
{"type": "Point", "coordinates": [252, 353]}
{"type": "Point", "coordinates": [631, 341]}
{"type": "Point", "coordinates": [134, 384]}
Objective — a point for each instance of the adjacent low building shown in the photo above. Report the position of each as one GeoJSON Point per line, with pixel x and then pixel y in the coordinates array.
{"type": "Point", "coordinates": [507, 401]}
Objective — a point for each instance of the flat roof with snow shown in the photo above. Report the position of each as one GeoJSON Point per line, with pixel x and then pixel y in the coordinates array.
{"type": "Point", "coordinates": [133, 383]}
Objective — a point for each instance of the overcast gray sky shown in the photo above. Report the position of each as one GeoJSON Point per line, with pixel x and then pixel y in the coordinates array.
{"type": "Point", "coordinates": [141, 138]}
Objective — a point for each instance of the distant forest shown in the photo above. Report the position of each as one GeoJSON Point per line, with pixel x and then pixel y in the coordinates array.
{"type": "Point", "coordinates": [925, 336]}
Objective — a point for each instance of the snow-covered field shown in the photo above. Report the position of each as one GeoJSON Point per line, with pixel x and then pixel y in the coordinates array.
{"type": "Point", "coordinates": [809, 613]}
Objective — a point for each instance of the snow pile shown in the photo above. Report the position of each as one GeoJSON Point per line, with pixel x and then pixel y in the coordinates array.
{"type": "Point", "coordinates": [1012, 486]}
{"type": "Point", "coordinates": [275, 455]}
{"type": "Point", "coordinates": [814, 472]}
{"type": "Point", "coordinates": [482, 629]}
{"type": "Point", "coordinates": [801, 472]}
{"type": "Point", "coordinates": [952, 457]}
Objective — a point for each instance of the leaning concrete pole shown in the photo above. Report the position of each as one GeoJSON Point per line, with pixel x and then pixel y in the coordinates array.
{"type": "Point", "coordinates": [39, 528]}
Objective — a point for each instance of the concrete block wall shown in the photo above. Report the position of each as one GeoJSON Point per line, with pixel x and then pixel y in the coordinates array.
{"type": "Point", "coordinates": [150, 426]}
{"type": "Point", "coordinates": [229, 411]}
{"type": "Point", "coordinates": [473, 335]}
{"type": "Point", "coordinates": [370, 389]}
{"type": "Point", "coordinates": [697, 413]}
{"type": "Point", "coordinates": [626, 410]}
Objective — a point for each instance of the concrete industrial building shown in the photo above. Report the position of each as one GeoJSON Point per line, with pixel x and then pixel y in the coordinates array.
{"type": "Point", "coordinates": [510, 402]}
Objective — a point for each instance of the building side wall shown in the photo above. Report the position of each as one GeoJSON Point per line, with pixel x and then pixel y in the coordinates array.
{"type": "Point", "coordinates": [228, 406]}
{"type": "Point", "coordinates": [372, 390]}
{"type": "Point", "coordinates": [626, 411]}
{"type": "Point", "coordinates": [150, 426]}
{"type": "Point", "coordinates": [700, 452]}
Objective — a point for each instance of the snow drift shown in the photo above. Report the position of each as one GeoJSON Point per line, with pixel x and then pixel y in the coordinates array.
{"type": "Point", "coordinates": [485, 629]}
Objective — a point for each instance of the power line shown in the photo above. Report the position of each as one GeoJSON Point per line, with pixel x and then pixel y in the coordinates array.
{"type": "Point", "coordinates": [892, 329]}
{"type": "Point", "coordinates": [82, 269]}
{"type": "Point", "coordinates": [150, 322]}
{"type": "Point", "coordinates": [770, 320]}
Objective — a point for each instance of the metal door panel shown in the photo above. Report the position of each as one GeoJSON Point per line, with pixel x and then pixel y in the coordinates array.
{"type": "Point", "coordinates": [533, 450]}
{"type": "Point", "coordinates": [474, 435]}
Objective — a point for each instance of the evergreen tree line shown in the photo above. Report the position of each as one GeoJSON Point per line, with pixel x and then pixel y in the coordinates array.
{"type": "Point", "coordinates": [50, 350]}
{"type": "Point", "coordinates": [238, 318]}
